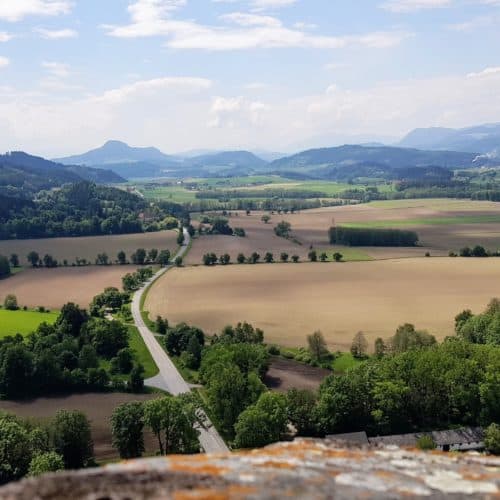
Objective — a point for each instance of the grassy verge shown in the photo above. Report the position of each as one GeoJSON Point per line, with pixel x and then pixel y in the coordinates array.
{"type": "Point", "coordinates": [23, 322]}
{"type": "Point", "coordinates": [142, 353]}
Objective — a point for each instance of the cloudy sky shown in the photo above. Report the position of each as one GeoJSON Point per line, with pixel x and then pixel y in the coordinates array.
{"type": "Point", "coordinates": [279, 75]}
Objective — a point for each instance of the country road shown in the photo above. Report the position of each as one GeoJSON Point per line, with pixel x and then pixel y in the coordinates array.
{"type": "Point", "coordinates": [169, 379]}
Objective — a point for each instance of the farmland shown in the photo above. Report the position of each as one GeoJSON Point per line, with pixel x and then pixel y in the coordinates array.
{"type": "Point", "coordinates": [442, 225]}
{"type": "Point", "coordinates": [88, 247]}
{"type": "Point", "coordinates": [52, 288]}
{"type": "Point", "coordinates": [23, 322]}
{"type": "Point", "coordinates": [290, 301]}
{"type": "Point", "coordinates": [98, 408]}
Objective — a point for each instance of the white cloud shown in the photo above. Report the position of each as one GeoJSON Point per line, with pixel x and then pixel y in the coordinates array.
{"type": "Point", "coordinates": [236, 113]}
{"type": "Point", "coordinates": [4, 62]}
{"type": "Point", "coordinates": [15, 10]}
{"type": "Point", "coordinates": [57, 34]}
{"type": "Point", "coordinates": [245, 31]}
{"type": "Point", "coordinates": [403, 6]}
{"type": "Point", "coordinates": [5, 37]}
{"type": "Point", "coordinates": [272, 4]}
{"type": "Point", "coordinates": [57, 69]}
{"type": "Point", "coordinates": [485, 73]}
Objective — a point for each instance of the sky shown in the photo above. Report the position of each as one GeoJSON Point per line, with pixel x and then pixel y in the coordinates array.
{"type": "Point", "coordinates": [275, 75]}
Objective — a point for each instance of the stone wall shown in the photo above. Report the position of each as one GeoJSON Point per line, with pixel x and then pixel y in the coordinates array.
{"type": "Point", "coordinates": [302, 469]}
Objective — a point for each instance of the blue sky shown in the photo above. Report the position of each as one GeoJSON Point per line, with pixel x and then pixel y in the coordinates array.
{"type": "Point", "coordinates": [272, 74]}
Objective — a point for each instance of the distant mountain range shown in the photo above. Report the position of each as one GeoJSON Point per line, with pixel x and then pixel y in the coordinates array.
{"type": "Point", "coordinates": [133, 162]}
{"type": "Point", "coordinates": [484, 139]}
{"type": "Point", "coordinates": [22, 174]}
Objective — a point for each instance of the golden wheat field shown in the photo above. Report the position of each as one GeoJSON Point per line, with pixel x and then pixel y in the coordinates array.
{"type": "Point", "coordinates": [290, 301]}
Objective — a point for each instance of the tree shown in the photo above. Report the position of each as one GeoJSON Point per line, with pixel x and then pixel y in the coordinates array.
{"type": "Point", "coordinates": [313, 256]}
{"type": "Point", "coordinates": [14, 260]}
{"type": "Point", "coordinates": [492, 439]}
{"type": "Point", "coordinates": [359, 346]}
{"type": "Point", "coordinates": [194, 349]}
{"type": "Point", "coordinates": [33, 258]}
{"type": "Point", "coordinates": [254, 258]}
{"type": "Point", "coordinates": [73, 439]}
{"type": "Point", "coordinates": [177, 338]}
{"type": "Point", "coordinates": [124, 360]}
{"type": "Point", "coordinates": [42, 463]}
{"type": "Point", "coordinates": [102, 259]}
{"type": "Point", "coordinates": [164, 258]}
{"type": "Point", "coordinates": [263, 423]}
{"type": "Point", "coordinates": [172, 419]}
{"type": "Point", "coordinates": [301, 406]}
{"type": "Point", "coordinates": [15, 449]}
{"type": "Point", "coordinates": [269, 258]}
{"type": "Point", "coordinates": [10, 302]}
{"type": "Point", "coordinates": [153, 255]}
{"type": "Point", "coordinates": [210, 259]}
{"type": "Point", "coordinates": [16, 371]}
{"type": "Point", "coordinates": [242, 333]}
{"type": "Point", "coordinates": [49, 261]}
{"type": "Point", "coordinates": [317, 345]}
{"type": "Point", "coordinates": [139, 256]}
{"type": "Point", "coordinates": [407, 338]}
{"type": "Point", "coordinates": [283, 229]}
{"type": "Point", "coordinates": [88, 358]}
{"type": "Point", "coordinates": [121, 257]}
{"type": "Point", "coordinates": [241, 258]}
{"type": "Point", "coordinates": [136, 379]}
{"type": "Point", "coordinates": [181, 238]}
{"type": "Point", "coordinates": [265, 219]}
{"type": "Point", "coordinates": [108, 337]}
{"type": "Point", "coordinates": [284, 257]}
{"type": "Point", "coordinates": [161, 325]}
{"type": "Point", "coordinates": [4, 267]}
{"type": "Point", "coordinates": [178, 261]}
{"type": "Point", "coordinates": [127, 425]}
{"type": "Point", "coordinates": [323, 257]}
{"type": "Point", "coordinates": [337, 257]}
{"type": "Point", "coordinates": [225, 259]}
{"type": "Point", "coordinates": [479, 251]}
{"type": "Point", "coordinates": [380, 348]}
{"type": "Point", "coordinates": [295, 259]}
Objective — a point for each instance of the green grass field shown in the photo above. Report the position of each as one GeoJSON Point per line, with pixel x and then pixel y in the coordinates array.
{"type": "Point", "coordinates": [344, 362]}
{"type": "Point", "coordinates": [349, 254]}
{"type": "Point", "coordinates": [23, 322]}
{"type": "Point", "coordinates": [142, 353]}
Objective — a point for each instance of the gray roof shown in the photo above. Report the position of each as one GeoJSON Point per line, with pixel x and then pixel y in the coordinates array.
{"type": "Point", "coordinates": [350, 437]}
{"type": "Point", "coordinates": [458, 436]}
{"type": "Point", "coordinates": [466, 435]}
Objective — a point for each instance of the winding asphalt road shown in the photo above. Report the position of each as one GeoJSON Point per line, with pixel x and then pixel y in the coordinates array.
{"type": "Point", "coordinates": [169, 379]}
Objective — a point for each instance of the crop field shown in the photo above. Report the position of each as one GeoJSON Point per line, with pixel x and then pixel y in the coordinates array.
{"type": "Point", "coordinates": [290, 301]}
{"type": "Point", "coordinates": [442, 225]}
{"type": "Point", "coordinates": [89, 247]}
{"type": "Point", "coordinates": [23, 322]}
{"type": "Point", "coordinates": [52, 288]}
{"type": "Point", "coordinates": [97, 407]}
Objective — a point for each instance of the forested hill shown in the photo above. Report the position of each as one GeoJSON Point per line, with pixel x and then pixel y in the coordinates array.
{"type": "Point", "coordinates": [81, 209]}
{"type": "Point", "coordinates": [379, 161]}
{"type": "Point", "coordinates": [23, 175]}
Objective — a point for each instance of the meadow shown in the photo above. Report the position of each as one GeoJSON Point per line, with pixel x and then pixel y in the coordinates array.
{"type": "Point", "coordinates": [89, 247]}
{"type": "Point", "coordinates": [23, 322]}
{"type": "Point", "coordinates": [290, 301]}
{"type": "Point", "coordinates": [52, 288]}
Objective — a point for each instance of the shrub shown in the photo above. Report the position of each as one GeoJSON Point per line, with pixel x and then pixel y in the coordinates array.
{"type": "Point", "coordinates": [426, 443]}
{"type": "Point", "coordinates": [492, 439]}
{"type": "Point", "coordinates": [10, 303]}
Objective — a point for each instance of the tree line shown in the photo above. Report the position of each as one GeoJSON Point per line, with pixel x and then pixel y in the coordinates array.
{"type": "Point", "coordinates": [350, 236]}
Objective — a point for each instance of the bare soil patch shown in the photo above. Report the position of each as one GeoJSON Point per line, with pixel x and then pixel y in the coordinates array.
{"type": "Point", "coordinates": [310, 228]}
{"type": "Point", "coordinates": [286, 374]}
{"type": "Point", "coordinates": [98, 408]}
{"type": "Point", "coordinates": [290, 301]}
{"type": "Point", "coordinates": [89, 247]}
{"type": "Point", "coordinates": [53, 288]}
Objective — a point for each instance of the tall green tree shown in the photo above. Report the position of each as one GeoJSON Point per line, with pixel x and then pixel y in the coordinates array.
{"type": "Point", "coordinates": [127, 426]}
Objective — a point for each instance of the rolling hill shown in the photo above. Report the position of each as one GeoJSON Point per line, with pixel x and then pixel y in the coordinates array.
{"type": "Point", "coordinates": [483, 139]}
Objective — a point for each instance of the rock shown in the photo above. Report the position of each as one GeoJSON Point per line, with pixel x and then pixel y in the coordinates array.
{"type": "Point", "coordinates": [318, 469]}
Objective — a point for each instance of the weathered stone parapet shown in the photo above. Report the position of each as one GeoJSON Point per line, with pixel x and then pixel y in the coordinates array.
{"type": "Point", "coordinates": [301, 469]}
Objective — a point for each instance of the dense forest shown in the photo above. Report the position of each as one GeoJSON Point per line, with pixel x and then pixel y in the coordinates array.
{"type": "Point", "coordinates": [82, 209]}
{"type": "Point", "coordinates": [368, 237]}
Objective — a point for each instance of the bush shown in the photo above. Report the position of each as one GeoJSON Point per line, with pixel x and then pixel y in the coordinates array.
{"type": "Point", "coordinates": [45, 462]}
{"type": "Point", "coordinates": [4, 267]}
{"type": "Point", "coordinates": [426, 443]}
{"type": "Point", "coordinates": [492, 439]}
{"type": "Point", "coordinates": [10, 303]}
{"type": "Point", "coordinates": [273, 350]}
